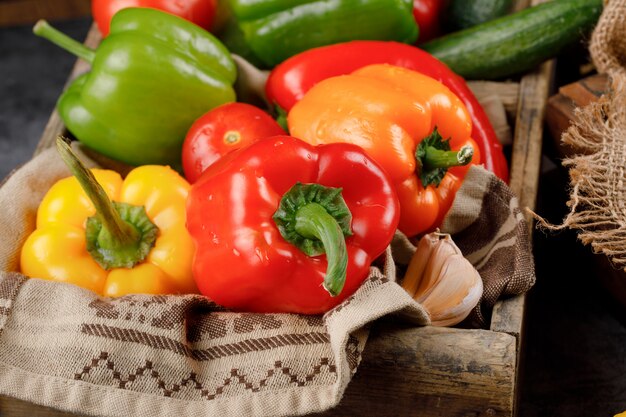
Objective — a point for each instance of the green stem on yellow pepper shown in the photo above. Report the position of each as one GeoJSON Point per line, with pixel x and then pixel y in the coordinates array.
{"type": "Point", "coordinates": [119, 235]}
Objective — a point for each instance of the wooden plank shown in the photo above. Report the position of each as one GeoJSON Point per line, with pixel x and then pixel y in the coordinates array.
{"type": "Point", "coordinates": [525, 165]}
{"type": "Point", "coordinates": [526, 158]}
{"type": "Point", "coordinates": [506, 318]}
{"type": "Point", "coordinates": [431, 372]}
{"type": "Point", "coordinates": [507, 92]}
{"type": "Point", "coordinates": [587, 90]}
{"type": "Point", "coordinates": [560, 108]}
{"type": "Point", "coordinates": [22, 12]}
{"type": "Point", "coordinates": [12, 407]}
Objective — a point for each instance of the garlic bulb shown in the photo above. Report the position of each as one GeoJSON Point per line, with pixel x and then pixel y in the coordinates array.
{"type": "Point", "coordinates": [442, 280]}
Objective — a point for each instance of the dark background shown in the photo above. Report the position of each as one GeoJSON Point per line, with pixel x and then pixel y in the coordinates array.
{"type": "Point", "coordinates": [575, 352]}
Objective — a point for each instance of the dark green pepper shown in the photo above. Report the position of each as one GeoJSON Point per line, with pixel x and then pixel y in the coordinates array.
{"type": "Point", "coordinates": [271, 31]}
{"type": "Point", "coordinates": [150, 79]}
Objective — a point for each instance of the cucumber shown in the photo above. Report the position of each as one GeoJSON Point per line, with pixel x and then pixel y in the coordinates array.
{"type": "Point", "coordinates": [463, 14]}
{"type": "Point", "coordinates": [517, 42]}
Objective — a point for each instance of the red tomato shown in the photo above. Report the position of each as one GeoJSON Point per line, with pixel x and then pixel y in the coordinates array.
{"type": "Point", "coordinates": [200, 12]}
{"type": "Point", "coordinates": [222, 130]}
{"type": "Point", "coordinates": [427, 14]}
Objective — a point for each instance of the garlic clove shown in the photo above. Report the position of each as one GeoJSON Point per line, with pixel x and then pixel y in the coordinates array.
{"type": "Point", "coordinates": [458, 293]}
{"type": "Point", "coordinates": [415, 270]}
{"type": "Point", "coordinates": [444, 249]}
{"type": "Point", "coordinates": [442, 280]}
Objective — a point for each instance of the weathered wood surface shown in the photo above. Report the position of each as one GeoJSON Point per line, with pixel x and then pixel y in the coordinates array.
{"type": "Point", "coordinates": [525, 167]}
{"type": "Point", "coordinates": [561, 106]}
{"type": "Point", "coordinates": [526, 157]}
{"type": "Point", "coordinates": [21, 12]}
{"type": "Point", "coordinates": [506, 91]}
{"type": "Point", "coordinates": [12, 407]}
{"type": "Point", "coordinates": [432, 372]}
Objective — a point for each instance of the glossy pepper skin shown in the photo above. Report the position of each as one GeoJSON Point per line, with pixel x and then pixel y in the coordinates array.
{"type": "Point", "coordinates": [244, 262]}
{"type": "Point", "coordinates": [222, 130]}
{"type": "Point", "coordinates": [290, 81]}
{"type": "Point", "coordinates": [273, 30]}
{"type": "Point", "coordinates": [57, 250]}
{"type": "Point", "coordinates": [200, 12]}
{"type": "Point", "coordinates": [428, 14]}
{"type": "Point", "coordinates": [150, 79]}
{"type": "Point", "coordinates": [389, 111]}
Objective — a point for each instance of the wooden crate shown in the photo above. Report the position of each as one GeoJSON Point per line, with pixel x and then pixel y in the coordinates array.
{"type": "Point", "coordinates": [426, 371]}
{"type": "Point", "coordinates": [22, 12]}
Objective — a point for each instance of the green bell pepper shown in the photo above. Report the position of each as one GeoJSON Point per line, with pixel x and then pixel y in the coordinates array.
{"type": "Point", "coordinates": [270, 31]}
{"type": "Point", "coordinates": [150, 79]}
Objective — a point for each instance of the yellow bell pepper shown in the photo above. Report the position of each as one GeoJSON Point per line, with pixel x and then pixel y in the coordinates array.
{"type": "Point", "coordinates": [139, 246]}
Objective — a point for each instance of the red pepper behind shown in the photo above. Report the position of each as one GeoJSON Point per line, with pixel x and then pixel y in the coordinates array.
{"type": "Point", "coordinates": [244, 262]}
{"type": "Point", "coordinates": [200, 12]}
{"type": "Point", "coordinates": [290, 80]}
{"type": "Point", "coordinates": [427, 14]}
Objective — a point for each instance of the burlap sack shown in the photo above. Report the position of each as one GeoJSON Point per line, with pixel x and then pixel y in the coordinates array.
{"type": "Point", "coordinates": [64, 347]}
{"type": "Point", "coordinates": [598, 134]}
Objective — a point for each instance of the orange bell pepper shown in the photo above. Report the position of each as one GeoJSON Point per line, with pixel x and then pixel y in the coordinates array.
{"type": "Point", "coordinates": [398, 116]}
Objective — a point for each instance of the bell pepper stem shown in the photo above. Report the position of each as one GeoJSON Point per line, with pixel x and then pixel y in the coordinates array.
{"type": "Point", "coordinates": [437, 158]}
{"type": "Point", "coordinates": [116, 233]}
{"type": "Point", "coordinates": [43, 29]}
{"type": "Point", "coordinates": [313, 221]}
{"type": "Point", "coordinates": [434, 156]}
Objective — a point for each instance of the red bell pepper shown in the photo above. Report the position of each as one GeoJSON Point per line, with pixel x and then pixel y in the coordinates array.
{"type": "Point", "coordinates": [290, 80]}
{"type": "Point", "coordinates": [427, 15]}
{"type": "Point", "coordinates": [282, 226]}
{"type": "Point", "coordinates": [200, 12]}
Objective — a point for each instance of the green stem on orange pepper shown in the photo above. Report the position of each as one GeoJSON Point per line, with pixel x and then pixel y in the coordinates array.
{"type": "Point", "coordinates": [434, 157]}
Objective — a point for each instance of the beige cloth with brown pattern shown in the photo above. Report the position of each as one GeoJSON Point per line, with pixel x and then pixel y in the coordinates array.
{"type": "Point", "coordinates": [65, 347]}
{"type": "Point", "coordinates": [598, 134]}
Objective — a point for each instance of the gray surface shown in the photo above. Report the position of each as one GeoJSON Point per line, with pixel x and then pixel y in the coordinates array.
{"type": "Point", "coordinates": [575, 357]}
{"type": "Point", "coordinates": [32, 75]}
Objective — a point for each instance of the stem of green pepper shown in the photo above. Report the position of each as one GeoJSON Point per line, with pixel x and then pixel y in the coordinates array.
{"type": "Point", "coordinates": [314, 222]}
{"type": "Point", "coordinates": [120, 235]}
{"type": "Point", "coordinates": [43, 29]}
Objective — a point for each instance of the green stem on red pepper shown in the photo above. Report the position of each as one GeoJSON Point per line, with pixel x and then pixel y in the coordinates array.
{"type": "Point", "coordinates": [316, 219]}
{"type": "Point", "coordinates": [120, 235]}
{"type": "Point", "coordinates": [43, 29]}
{"type": "Point", "coordinates": [434, 157]}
